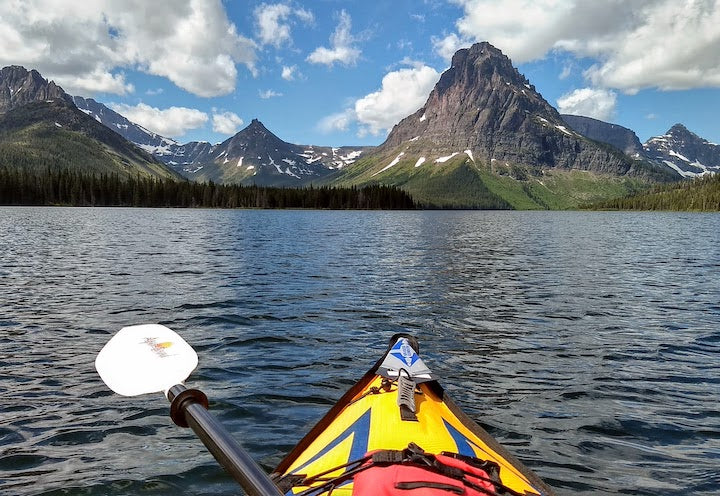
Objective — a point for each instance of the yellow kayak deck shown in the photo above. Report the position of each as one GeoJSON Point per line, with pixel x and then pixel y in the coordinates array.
{"type": "Point", "coordinates": [368, 418]}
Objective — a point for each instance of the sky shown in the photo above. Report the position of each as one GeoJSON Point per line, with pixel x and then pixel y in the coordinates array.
{"type": "Point", "coordinates": [333, 73]}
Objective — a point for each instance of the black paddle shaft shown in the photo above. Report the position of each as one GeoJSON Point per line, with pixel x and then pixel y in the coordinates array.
{"type": "Point", "coordinates": [189, 409]}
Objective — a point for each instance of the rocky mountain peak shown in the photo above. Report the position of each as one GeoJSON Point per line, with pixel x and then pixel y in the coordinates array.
{"type": "Point", "coordinates": [256, 127]}
{"type": "Point", "coordinates": [684, 151]}
{"type": "Point", "coordinates": [680, 131]}
{"type": "Point", "coordinates": [483, 105]}
{"type": "Point", "coordinates": [18, 87]}
{"type": "Point", "coordinates": [255, 135]}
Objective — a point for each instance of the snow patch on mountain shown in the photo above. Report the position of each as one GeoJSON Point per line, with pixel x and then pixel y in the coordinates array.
{"type": "Point", "coordinates": [394, 162]}
{"type": "Point", "coordinates": [442, 160]}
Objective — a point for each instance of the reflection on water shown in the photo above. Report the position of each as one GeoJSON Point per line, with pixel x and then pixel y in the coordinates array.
{"type": "Point", "coordinates": [587, 343]}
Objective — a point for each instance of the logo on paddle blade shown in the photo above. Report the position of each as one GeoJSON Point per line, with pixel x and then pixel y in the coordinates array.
{"type": "Point", "coordinates": [158, 348]}
{"type": "Point", "coordinates": [403, 351]}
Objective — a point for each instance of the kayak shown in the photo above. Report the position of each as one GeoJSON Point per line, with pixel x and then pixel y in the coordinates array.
{"type": "Point", "coordinates": [396, 431]}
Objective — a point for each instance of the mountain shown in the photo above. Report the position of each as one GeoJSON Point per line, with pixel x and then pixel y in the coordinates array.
{"type": "Point", "coordinates": [684, 151]}
{"type": "Point", "coordinates": [255, 155]}
{"type": "Point", "coordinates": [18, 87]}
{"type": "Point", "coordinates": [179, 157]}
{"type": "Point", "coordinates": [55, 134]}
{"type": "Point", "coordinates": [41, 127]}
{"type": "Point", "coordinates": [485, 137]}
{"type": "Point", "coordinates": [622, 138]}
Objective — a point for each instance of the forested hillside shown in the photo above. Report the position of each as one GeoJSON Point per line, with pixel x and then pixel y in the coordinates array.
{"type": "Point", "coordinates": [702, 194]}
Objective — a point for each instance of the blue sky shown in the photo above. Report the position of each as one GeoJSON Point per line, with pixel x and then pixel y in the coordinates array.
{"type": "Point", "coordinates": [330, 72]}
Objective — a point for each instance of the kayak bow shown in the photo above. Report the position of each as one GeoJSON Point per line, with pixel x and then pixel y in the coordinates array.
{"type": "Point", "coordinates": [397, 404]}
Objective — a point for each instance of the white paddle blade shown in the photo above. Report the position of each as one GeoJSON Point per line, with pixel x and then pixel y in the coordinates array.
{"type": "Point", "coordinates": [145, 359]}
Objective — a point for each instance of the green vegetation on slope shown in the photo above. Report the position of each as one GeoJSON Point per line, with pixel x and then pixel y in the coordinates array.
{"type": "Point", "coordinates": [70, 187]}
{"type": "Point", "coordinates": [461, 183]}
{"type": "Point", "coordinates": [698, 195]}
{"type": "Point", "coordinates": [52, 134]}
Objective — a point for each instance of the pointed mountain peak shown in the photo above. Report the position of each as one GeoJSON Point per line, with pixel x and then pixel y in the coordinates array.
{"type": "Point", "coordinates": [256, 125]}
{"type": "Point", "coordinates": [679, 129]}
{"type": "Point", "coordinates": [18, 87]}
{"type": "Point", "coordinates": [482, 50]}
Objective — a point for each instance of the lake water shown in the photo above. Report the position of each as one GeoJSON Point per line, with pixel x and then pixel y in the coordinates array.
{"type": "Point", "coordinates": [587, 343]}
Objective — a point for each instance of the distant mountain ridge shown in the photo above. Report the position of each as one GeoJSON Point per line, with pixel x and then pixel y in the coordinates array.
{"type": "Point", "coordinates": [684, 151]}
{"type": "Point", "coordinates": [620, 137]}
{"type": "Point", "coordinates": [256, 155]}
{"type": "Point", "coordinates": [176, 155]}
{"type": "Point", "coordinates": [681, 150]}
{"type": "Point", "coordinates": [253, 155]}
{"type": "Point", "coordinates": [484, 138]}
{"type": "Point", "coordinates": [41, 127]}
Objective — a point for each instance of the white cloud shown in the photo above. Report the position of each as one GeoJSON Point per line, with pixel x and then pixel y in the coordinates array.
{"type": "Point", "coordinates": [590, 102]}
{"type": "Point", "coordinates": [402, 93]}
{"type": "Point", "coordinates": [305, 16]}
{"type": "Point", "coordinates": [337, 122]}
{"type": "Point", "coordinates": [273, 23]}
{"type": "Point", "coordinates": [268, 94]}
{"type": "Point", "coordinates": [84, 47]}
{"type": "Point", "coordinates": [288, 72]}
{"type": "Point", "coordinates": [154, 91]}
{"type": "Point", "coordinates": [342, 48]}
{"type": "Point", "coordinates": [226, 122]}
{"type": "Point", "coordinates": [666, 44]}
{"type": "Point", "coordinates": [171, 122]}
{"type": "Point", "coordinates": [447, 46]}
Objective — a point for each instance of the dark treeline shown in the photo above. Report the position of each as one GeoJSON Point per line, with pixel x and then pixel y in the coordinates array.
{"type": "Point", "coordinates": [66, 187]}
{"type": "Point", "coordinates": [701, 195]}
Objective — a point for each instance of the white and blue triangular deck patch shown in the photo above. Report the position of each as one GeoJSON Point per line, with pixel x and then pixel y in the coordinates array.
{"type": "Point", "coordinates": [402, 356]}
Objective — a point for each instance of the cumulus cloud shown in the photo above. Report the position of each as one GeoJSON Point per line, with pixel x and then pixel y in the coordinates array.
{"type": "Point", "coordinates": [85, 47]}
{"type": "Point", "coordinates": [666, 44]}
{"type": "Point", "coordinates": [337, 122]}
{"type": "Point", "coordinates": [268, 94]}
{"type": "Point", "coordinates": [172, 122]}
{"type": "Point", "coordinates": [273, 23]}
{"type": "Point", "coordinates": [590, 102]}
{"type": "Point", "coordinates": [342, 49]}
{"type": "Point", "coordinates": [447, 46]}
{"type": "Point", "coordinates": [226, 122]}
{"type": "Point", "coordinates": [402, 93]}
{"type": "Point", "coordinates": [288, 72]}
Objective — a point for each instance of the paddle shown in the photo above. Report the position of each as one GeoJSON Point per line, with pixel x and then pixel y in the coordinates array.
{"type": "Point", "coordinates": [151, 359]}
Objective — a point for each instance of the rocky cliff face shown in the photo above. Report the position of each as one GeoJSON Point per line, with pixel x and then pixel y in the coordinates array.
{"type": "Point", "coordinates": [484, 105]}
{"type": "Point", "coordinates": [18, 87]}
{"type": "Point", "coordinates": [684, 151]}
{"type": "Point", "coordinates": [620, 137]}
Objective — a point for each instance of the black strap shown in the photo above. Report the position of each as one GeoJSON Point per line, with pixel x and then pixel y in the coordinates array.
{"type": "Point", "coordinates": [412, 455]}
{"type": "Point", "coordinates": [432, 485]}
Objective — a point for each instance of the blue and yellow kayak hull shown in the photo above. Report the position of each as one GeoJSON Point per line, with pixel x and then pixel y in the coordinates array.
{"type": "Point", "coordinates": [367, 418]}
